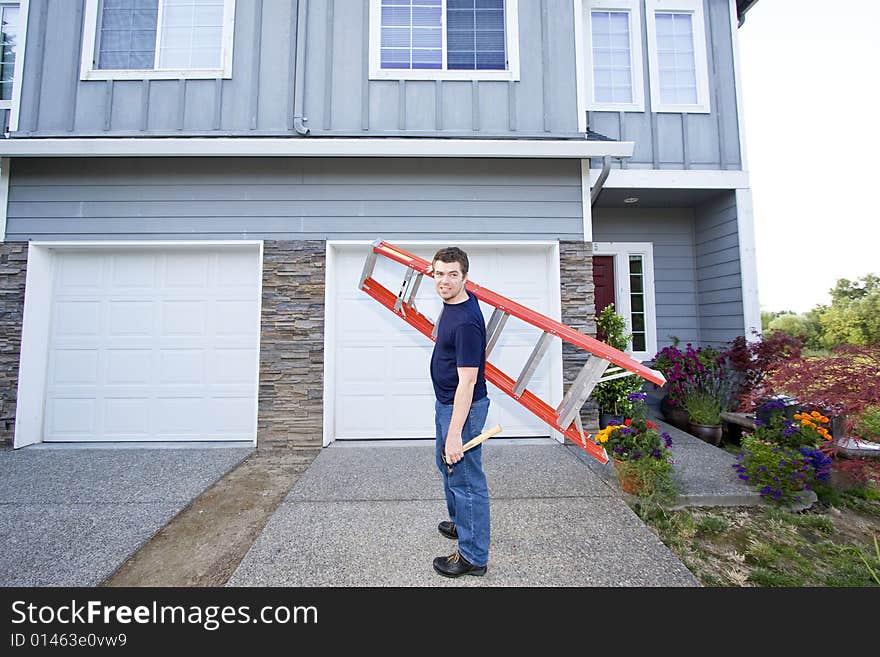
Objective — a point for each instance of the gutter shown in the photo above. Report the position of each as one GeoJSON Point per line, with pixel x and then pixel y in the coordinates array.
{"type": "Point", "coordinates": [299, 74]}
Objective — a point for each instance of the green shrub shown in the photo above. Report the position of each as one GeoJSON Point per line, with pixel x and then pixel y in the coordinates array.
{"type": "Point", "coordinates": [613, 396]}
{"type": "Point", "coordinates": [703, 407]}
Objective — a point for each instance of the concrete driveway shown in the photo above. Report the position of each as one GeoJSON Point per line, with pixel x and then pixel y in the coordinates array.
{"type": "Point", "coordinates": [71, 515]}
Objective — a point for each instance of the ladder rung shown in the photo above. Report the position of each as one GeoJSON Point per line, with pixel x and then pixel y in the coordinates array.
{"type": "Point", "coordinates": [581, 388]}
{"type": "Point", "coordinates": [368, 269]}
{"type": "Point", "coordinates": [532, 364]}
{"type": "Point", "coordinates": [411, 299]}
{"type": "Point", "coordinates": [493, 331]}
{"type": "Point", "coordinates": [611, 377]}
{"type": "Point", "coordinates": [436, 323]}
{"type": "Point", "coordinates": [399, 302]}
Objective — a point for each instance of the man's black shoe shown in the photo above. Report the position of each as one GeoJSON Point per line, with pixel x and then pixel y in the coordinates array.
{"type": "Point", "coordinates": [448, 530]}
{"type": "Point", "coordinates": [456, 565]}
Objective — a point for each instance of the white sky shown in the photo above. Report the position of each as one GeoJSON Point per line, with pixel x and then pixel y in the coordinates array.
{"type": "Point", "coordinates": [810, 74]}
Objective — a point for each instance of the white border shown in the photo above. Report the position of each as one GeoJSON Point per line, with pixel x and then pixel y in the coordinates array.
{"type": "Point", "coordinates": [583, 31]}
{"type": "Point", "coordinates": [673, 178]}
{"type": "Point", "coordinates": [511, 36]}
{"type": "Point", "coordinates": [87, 63]}
{"type": "Point", "coordinates": [34, 355]}
{"type": "Point", "coordinates": [551, 248]}
{"type": "Point", "coordinates": [694, 7]}
{"type": "Point", "coordinates": [313, 147]}
{"type": "Point", "coordinates": [4, 195]}
{"type": "Point", "coordinates": [745, 223]}
{"type": "Point", "coordinates": [622, 302]}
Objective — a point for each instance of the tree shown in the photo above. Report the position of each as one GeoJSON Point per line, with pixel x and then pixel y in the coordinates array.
{"type": "Point", "coordinates": [854, 314]}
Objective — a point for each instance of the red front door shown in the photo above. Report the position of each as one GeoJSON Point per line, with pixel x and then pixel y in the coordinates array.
{"type": "Point", "coordinates": [603, 280]}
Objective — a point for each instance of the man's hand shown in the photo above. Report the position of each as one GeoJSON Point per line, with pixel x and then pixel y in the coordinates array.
{"type": "Point", "coordinates": [454, 453]}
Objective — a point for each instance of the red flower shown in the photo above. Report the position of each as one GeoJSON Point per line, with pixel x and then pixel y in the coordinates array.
{"type": "Point", "coordinates": [627, 422]}
{"type": "Point", "coordinates": [651, 425]}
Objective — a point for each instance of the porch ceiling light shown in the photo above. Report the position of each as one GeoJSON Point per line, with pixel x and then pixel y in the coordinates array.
{"type": "Point", "coordinates": [631, 199]}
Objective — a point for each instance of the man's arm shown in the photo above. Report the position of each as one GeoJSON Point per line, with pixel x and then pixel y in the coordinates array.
{"type": "Point", "coordinates": [461, 406]}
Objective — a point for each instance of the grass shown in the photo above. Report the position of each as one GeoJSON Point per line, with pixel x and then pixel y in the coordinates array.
{"type": "Point", "coordinates": [831, 544]}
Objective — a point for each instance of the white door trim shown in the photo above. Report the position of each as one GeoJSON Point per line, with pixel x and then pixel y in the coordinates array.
{"type": "Point", "coordinates": [622, 289]}
{"type": "Point", "coordinates": [34, 354]}
{"type": "Point", "coordinates": [555, 352]}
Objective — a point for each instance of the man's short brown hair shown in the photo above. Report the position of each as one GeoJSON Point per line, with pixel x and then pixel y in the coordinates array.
{"type": "Point", "coordinates": [452, 254]}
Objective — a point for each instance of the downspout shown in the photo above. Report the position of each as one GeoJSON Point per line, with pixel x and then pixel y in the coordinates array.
{"type": "Point", "coordinates": [600, 181]}
{"type": "Point", "coordinates": [302, 10]}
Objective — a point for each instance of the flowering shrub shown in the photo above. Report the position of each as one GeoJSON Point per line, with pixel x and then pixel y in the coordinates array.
{"type": "Point", "coordinates": [781, 458]}
{"type": "Point", "coordinates": [688, 370]}
{"type": "Point", "coordinates": [750, 362]}
{"type": "Point", "coordinates": [845, 382]}
{"type": "Point", "coordinates": [640, 447]}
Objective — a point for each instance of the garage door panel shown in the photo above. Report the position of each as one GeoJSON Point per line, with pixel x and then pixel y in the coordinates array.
{"type": "Point", "coordinates": [75, 366]}
{"type": "Point", "coordinates": [182, 270]}
{"type": "Point", "coordinates": [236, 318]}
{"type": "Point", "coordinates": [127, 417]}
{"type": "Point", "coordinates": [136, 270]}
{"type": "Point", "coordinates": [138, 351]}
{"type": "Point", "coordinates": [79, 272]}
{"type": "Point", "coordinates": [358, 417]}
{"type": "Point", "coordinates": [187, 317]}
{"type": "Point", "coordinates": [181, 366]}
{"type": "Point", "coordinates": [77, 318]}
{"type": "Point", "coordinates": [410, 363]}
{"type": "Point", "coordinates": [233, 365]}
{"type": "Point", "coordinates": [410, 413]}
{"type": "Point", "coordinates": [131, 317]}
{"type": "Point", "coordinates": [128, 366]}
{"type": "Point", "coordinates": [71, 417]}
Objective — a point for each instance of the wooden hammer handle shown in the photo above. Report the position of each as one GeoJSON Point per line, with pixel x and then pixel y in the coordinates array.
{"type": "Point", "coordinates": [483, 437]}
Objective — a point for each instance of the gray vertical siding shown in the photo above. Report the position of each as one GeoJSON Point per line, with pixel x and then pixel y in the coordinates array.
{"type": "Point", "coordinates": [672, 233]}
{"type": "Point", "coordinates": [685, 141]}
{"type": "Point", "coordinates": [293, 199]}
{"type": "Point", "coordinates": [339, 99]}
{"type": "Point", "coordinates": [697, 285]}
{"type": "Point", "coordinates": [719, 282]}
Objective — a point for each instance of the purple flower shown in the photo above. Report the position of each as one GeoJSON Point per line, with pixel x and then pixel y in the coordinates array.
{"type": "Point", "coordinates": [637, 396]}
{"type": "Point", "coordinates": [656, 453]}
{"type": "Point", "coordinates": [625, 430]}
{"type": "Point", "coordinates": [758, 422]}
{"type": "Point", "coordinates": [667, 439]}
{"type": "Point", "coordinates": [744, 477]}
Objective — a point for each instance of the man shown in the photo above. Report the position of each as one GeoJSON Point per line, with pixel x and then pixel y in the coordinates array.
{"type": "Point", "coordinates": [458, 366]}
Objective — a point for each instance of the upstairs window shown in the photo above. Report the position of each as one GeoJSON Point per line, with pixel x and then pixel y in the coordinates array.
{"type": "Point", "coordinates": [444, 39]}
{"type": "Point", "coordinates": [158, 39]}
{"type": "Point", "coordinates": [612, 65]}
{"type": "Point", "coordinates": [677, 56]}
{"type": "Point", "coordinates": [9, 34]}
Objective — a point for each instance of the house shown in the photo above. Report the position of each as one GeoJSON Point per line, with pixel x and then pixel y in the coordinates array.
{"type": "Point", "coordinates": [190, 188]}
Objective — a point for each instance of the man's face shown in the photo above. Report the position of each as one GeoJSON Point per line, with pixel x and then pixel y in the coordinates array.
{"type": "Point", "coordinates": [448, 279]}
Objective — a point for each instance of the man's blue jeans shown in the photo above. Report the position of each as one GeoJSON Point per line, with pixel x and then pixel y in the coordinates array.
{"type": "Point", "coordinates": [467, 495]}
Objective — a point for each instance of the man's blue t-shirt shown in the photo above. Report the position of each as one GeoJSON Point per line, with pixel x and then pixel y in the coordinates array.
{"type": "Point", "coordinates": [461, 342]}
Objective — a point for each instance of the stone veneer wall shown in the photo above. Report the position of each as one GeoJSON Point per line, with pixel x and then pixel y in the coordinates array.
{"type": "Point", "coordinates": [13, 268]}
{"type": "Point", "coordinates": [579, 312]}
{"type": "Point", "coordinates": [292, 345]}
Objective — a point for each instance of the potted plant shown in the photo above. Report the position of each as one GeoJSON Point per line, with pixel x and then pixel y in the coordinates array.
{"type": "Point", "coordinates": [704, 413]}
{"type": "Point", "coordinates": [640, 451]}
{"type": "Point", "coordinates": [613, 396]}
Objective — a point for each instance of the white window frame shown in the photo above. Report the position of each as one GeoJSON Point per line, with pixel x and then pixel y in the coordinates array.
{"type": "Point", "coordinates": [695, 8]}
{"type": "Point", "coordinates": [88, 65]}
{"type": "Point", "coordinates": [585, 67]}
{"type": "Point", "coordinates": [621, 251]}
{"type": "Point", "coordinates": [16, 74]}
{"type": "Point", "coordinates": [511, 40]}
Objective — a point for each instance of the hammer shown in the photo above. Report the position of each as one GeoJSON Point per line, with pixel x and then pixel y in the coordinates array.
{"type": "Point", "coordinates": [473, 442]}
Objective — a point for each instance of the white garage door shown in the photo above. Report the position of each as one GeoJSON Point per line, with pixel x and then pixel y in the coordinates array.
{"type": "Point", "coordinates": [153, 345]}
{"type": "Point", "coordinates": [382, 387]}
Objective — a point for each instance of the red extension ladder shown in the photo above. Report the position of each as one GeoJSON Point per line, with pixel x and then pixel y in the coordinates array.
{"type": "Point", "coordinates": [604, 363]}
